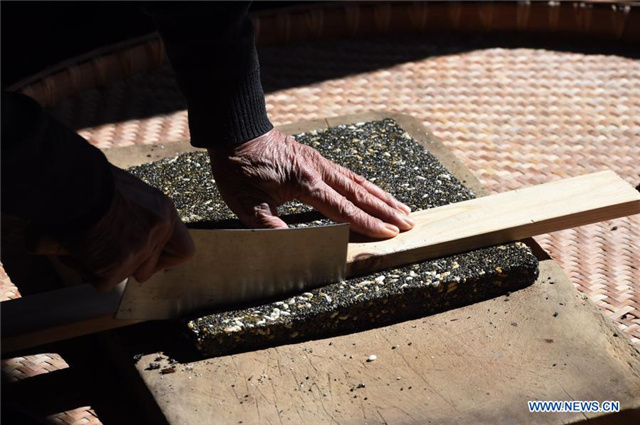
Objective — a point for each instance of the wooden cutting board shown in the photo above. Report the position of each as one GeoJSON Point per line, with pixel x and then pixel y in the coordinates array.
{"type": "Point", "coordinates": [476, 364]}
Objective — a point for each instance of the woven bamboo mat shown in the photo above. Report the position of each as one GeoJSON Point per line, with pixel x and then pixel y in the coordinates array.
{"type": "Point", "coordinates": [515, 117]}
{"type": "Point", "coordinates": [80, 416]}
{"type": "Point", "coordinates": [19, 368]}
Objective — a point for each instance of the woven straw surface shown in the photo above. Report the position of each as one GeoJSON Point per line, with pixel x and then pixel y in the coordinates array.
{"type": "Point", "coordinates": [80, 416]}
{"type": "Point", "coordinates": [8, 291]}
{"type": "Point", "coordinates": [516, 117]}
{"type": "Point", "coordinates": [18, 368]}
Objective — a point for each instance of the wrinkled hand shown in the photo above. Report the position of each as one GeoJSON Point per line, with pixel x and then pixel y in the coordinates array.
{"type": "Point", "coordinates": [140, 235]}
{"type": "Point", "coordinates": [262, 174]}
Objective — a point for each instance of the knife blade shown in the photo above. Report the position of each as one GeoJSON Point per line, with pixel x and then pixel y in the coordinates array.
{"type": "Point", "coordinates": [232, 267]}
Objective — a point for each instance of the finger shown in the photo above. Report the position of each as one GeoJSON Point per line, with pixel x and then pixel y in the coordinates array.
{"type": "Point", "coordinates": [376, 191]}
{"type": "Point", "coordinates": [149, 265]}
{"type": "Point", "coordinates": [180, 247]}
{"type": "Point", "coordinates": [256, 214]}
{"type": "Point", "coordinates": [164, 251]}
{"type": "Point", "coordinates": [105, 278]}
{"type": "Point", "coordinates": [338, 208]}
{"type": "Point", "coordinates": [253, 212]}
{"type": "Point", "coordinates": [369, 203]}
{"type": "Point", "coordinates": [148, 268]}
{"type": "Point", "coordinates": [265, 217]}
{"type": "Point", "coordinates": [118, 269]}
{"type": "Point", "coordinates": [329, 168]}
{"type": "Point", "coordinates": [385, 196]}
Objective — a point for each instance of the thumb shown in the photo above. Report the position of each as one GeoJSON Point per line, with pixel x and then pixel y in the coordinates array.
{"type": "Point", "coordinates": [261, 215]}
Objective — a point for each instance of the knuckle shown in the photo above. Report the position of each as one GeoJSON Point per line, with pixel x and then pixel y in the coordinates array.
{"type": "Point", "coordinates": [314, 186]}
{"type": "Point", "coordinates": [311, 155]}
{"type": "Point", "coordinates": [357, 178]}
{"type": "Point", "coordinates": [390, 198]}
{"type": "Point", "coordinates": [260, 212]}
{"type": "Point", "coordinates": [360, 196]}
{"type": "Point", "coordinates": [261, 216]}
{"type": "Point", "coordinates": [347, 209]}
{"type": "Point", "coordinates": [263, 221]}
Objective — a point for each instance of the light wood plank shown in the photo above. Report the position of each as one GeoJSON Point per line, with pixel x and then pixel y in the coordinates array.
{"type": "Point", "coordinates": [442, 231]}
{"type": "Point", "coordinates": [58, 315]}
{"type": "Point", "coordinates": [496, 219]}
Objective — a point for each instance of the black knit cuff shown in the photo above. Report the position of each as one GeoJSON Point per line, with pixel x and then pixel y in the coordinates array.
{"type": "Point", "coordinates": [242, 117]}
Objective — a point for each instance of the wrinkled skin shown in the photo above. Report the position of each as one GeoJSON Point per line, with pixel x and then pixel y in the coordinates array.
{"type": "Point", "coordinates": [140, 235]}
{"type": "Point", "coordinates": [262, 174]}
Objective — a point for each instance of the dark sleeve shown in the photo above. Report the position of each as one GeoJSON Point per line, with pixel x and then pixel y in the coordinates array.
{"type": "Point", "coordinates": [50, 175]}
{"type": "Point", "coordinates": [212, 51]}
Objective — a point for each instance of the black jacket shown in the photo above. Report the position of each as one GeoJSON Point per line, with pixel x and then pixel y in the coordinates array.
{"type": "Point", "coordinates": [54, 178]}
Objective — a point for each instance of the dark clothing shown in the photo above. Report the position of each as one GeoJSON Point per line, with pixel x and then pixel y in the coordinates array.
{"type": "Point", "coordinates": [50, 175]}
{"type": "Point", "coordinates": [54, 178]}
{"type": "Point", "coordinates": [212, 51]}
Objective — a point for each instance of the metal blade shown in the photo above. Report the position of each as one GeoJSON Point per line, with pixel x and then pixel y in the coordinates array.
{"type": "Point", "coordinates": [240, 266]}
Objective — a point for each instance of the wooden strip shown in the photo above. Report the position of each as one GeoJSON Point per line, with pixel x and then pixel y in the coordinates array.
{"type": "Point", "coordinates": [500, 218]}
{"type": "Point", "coordinates": [361, 256]}
{"type": "Point", "coordinates": [439, 232]}
{"type": "Point", "coordinates": [57, 315]}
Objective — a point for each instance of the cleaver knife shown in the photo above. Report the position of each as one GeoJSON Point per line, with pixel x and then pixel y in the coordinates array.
{"type": "Point", "coordinates": [237, 267]}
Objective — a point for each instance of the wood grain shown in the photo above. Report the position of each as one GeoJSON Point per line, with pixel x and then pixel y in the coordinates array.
{"type": "Point", "coordinates": [496, 219]}
{"type": "Point", "coordinates": [478, 364]}
{"type": "Point", "coordinates": [58, 315]}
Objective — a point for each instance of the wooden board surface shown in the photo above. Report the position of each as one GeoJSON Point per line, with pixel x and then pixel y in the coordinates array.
{"type": "Point", "coordinates": [477, 364]}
